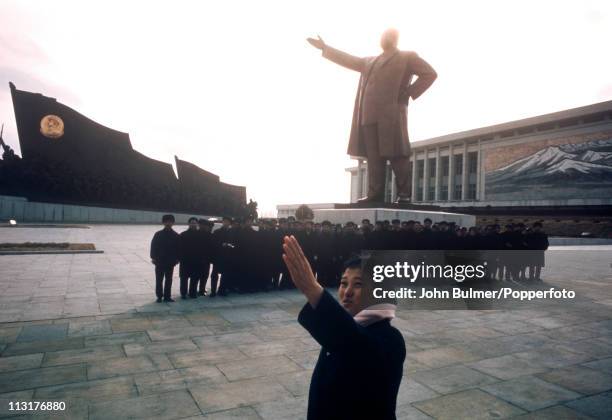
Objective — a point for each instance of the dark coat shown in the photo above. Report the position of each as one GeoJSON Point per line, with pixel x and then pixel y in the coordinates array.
{"type": "Point", "coordinates": [206, 242]}
{"type": "Point", "coordinates": [165, 248]}
{"type": "Point", "coordinates": [192, 249]}
{"type": "Point", "coordinates": [348, 244]}
{"type": "Point", "coordinates": [375, 240]}
{"type": "Point", "coordinates": [359, 370]}
{"type": "Point", "coordinates": [325, 247]}
{"type": "Point", "coordinates": [308, 242]}
{"type": "Point", "coordinates": [537, 243]}
{"type": "Point", "coordinates": [220, 249]}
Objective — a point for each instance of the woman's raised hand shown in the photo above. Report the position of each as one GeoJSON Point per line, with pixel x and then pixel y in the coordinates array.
{"type": "Point", "coordinates": [301, 271]}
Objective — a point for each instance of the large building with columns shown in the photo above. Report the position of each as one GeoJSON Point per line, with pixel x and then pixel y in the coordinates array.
{"type": "Point", "coordinates": [558, 159]}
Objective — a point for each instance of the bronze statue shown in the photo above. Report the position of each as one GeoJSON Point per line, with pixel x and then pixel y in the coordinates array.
{"type": "Point", "coordinates": [8, 154]}
{"type": "Point", "coordinates": [379, 130]}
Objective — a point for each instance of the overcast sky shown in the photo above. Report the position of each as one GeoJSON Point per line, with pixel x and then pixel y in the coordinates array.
{"type": "Point", "coordinates": [233, 86]}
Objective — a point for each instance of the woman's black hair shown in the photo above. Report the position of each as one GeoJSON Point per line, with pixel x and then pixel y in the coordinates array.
{"type": "Point", "coordinates": [353, 262]}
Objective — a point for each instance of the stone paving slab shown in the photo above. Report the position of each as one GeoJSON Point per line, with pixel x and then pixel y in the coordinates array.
{"type": "Point", "coordinates": [160, 347]}
{"type": "Point", "coordinates": [87, 391]}
{"type": "Point", "coordinates": [244, 413]}
{"type": "Point", "coordinates": [596, 406]}
{"type": "Point", "coordinates": [119, 366]}
{"type": "Point", "coordinates": [257, 367]}
{"type": "Point", "coordinates": [452, 379]}
{"type": "Point", "coordinates": [85, 329]}
{"type": "Point", "coordinates": [507, 367]}
{"type": "Point", "coordinates": [580, 379]}
{"type": "Point", "coordinates": [43, 332]}
{"type": "Point", "coordinates": [30, 347]}
{"type": "Point", "coordinates": [470, 404]}
{"type": "Point", "coordinates": [531, 393]}
{"type": "Point", "coordinates": [557, 412]}
{"type": "Point", "coordinates": [234, 394]}
{"type": "Point", "coordinates": [26, 361]}
{"type": "Point", "coordinates": [84, 355]}
{"type": "Point", "coordinates": [209, 356]}
{"type": "Point", "coordinates": [35, 378]}
{"type": "Point", "coordinates": [283, 409]}
{"type": "Point", "coordinates": [164, 406]}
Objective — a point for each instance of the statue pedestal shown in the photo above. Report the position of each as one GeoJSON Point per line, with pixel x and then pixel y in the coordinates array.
{"type": "Point", "coordinates": [356, 212]}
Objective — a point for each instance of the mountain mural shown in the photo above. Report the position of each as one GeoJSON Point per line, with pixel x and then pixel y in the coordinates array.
{"type": "Point", "coordinates": [551, 172]}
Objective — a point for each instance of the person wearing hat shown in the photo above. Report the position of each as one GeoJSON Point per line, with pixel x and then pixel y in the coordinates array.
{"type": "Point", "coordinates": [190, 257]}
{"type": "Point", "coordinates": [285, 228]}
{"type": "Point", "coordinates": [222, 249]}
{"type": "Point", "coordinates": [537, 243]}
{"type": "Point", "coordinates": [325, 255]}
{"type": "Point", "coordinates": [165, 255]}
{"type": "Point", "coordinates": [205, 229]}
{"type": "Point", "coordinates": [349, 243]}
{"type": "Point", "coordinates": [360, 366]}
{"type": "Point", "coordinates": [245, 262]}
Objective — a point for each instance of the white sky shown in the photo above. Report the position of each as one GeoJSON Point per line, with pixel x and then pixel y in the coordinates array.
{"type": "Point", "coordinates": [233, 86]}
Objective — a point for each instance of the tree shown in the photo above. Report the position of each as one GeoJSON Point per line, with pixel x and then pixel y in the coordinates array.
{"type": "Point", "coordinates": [304, 213]}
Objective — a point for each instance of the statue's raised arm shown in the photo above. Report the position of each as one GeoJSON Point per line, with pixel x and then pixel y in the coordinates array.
{"type": "Point", "coordinates": [339, 57]}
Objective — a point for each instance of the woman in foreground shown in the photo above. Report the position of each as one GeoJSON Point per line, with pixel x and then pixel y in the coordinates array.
{"type": "Point", "coordinates": [360, 366]}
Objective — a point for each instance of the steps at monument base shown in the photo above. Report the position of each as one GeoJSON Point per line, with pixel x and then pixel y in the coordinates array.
{"type": "Point", "coordinates": [343, 215]}
{"type": "Point", "coordinates": [382, 205]}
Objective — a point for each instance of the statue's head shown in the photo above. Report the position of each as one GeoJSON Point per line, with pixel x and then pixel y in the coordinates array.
{"type": "Point", "coordinates": [389, 39]}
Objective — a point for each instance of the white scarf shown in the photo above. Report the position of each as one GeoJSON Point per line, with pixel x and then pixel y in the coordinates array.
{"type": "Point", "coordinates": [375, 313]}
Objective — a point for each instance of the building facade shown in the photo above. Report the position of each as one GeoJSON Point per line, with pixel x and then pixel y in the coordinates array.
{"type": "Point", "coordinates": [558, 159]}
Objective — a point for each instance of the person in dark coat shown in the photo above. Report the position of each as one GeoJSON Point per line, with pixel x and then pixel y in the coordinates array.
{"type": "Point", "coordinates": [360, 366]}
{"type": "Point", "coordinates": [537, 243]}
{"type": "Point", "coordinates": [427, 237]}
{"type": "Point", "coordinates": [375, 239]}
{"type": "Point", "coordinates": [309, 242]}
{"type": "Point", "coordinates": [222, 248]}
{"type": "Point", "coordinates": [494, 245]}
{"type": "Point", "coordinates": [206, 255]}
{"type": "Point", "coordinates": [349, 243]}
{"type": "Point", "coordinates": [472, 241]}
{"type": "Point", "coordinates": [521, 256]}
{"type": "Point", "coordinates": [325, 255]}
{"type": "Point", "coordinates": [507, 241]}
{"type": "Point", "coordinates": [165, 255]}
{"type": "Point", "coordinates": [395, 235]}
{"type": "Point", "coordinates": [247, 257]}
{"type": "Point", "coordinates": [266, 253]}
{"type": "Point", "coordinates": [285, 229]}
{"type": "Point", "coordinates": [409, 236]}
{"type": "Point", "coordinates": [277, 250]}
{"type": "Point", "coordinates": [366, 228]}
{"type": "Point", "coordinates": [190, 258]}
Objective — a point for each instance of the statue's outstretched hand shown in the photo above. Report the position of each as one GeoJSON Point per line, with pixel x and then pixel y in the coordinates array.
{"type": "Point", "coordinates": [300, 270]}
{"type": "Point", "coordinates": [317, 43]}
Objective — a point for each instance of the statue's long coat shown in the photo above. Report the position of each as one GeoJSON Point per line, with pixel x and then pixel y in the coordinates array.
{"type": "Point", "coordinates": [392, 91]}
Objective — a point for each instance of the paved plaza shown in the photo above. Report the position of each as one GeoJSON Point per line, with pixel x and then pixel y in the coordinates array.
{"type": "Point", "coordinates": [85, 329]}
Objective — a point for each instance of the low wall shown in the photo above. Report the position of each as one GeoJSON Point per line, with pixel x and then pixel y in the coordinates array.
{"type": "Point", "coordinates": [556, 241]}
{"type": "Point", "coordinates": [357, 215]}
{"type": "Point", "coordinates": [24, 211]}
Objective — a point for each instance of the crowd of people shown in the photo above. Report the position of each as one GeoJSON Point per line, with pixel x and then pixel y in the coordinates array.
{"type": "Point", "coordinates": [248, 257]}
